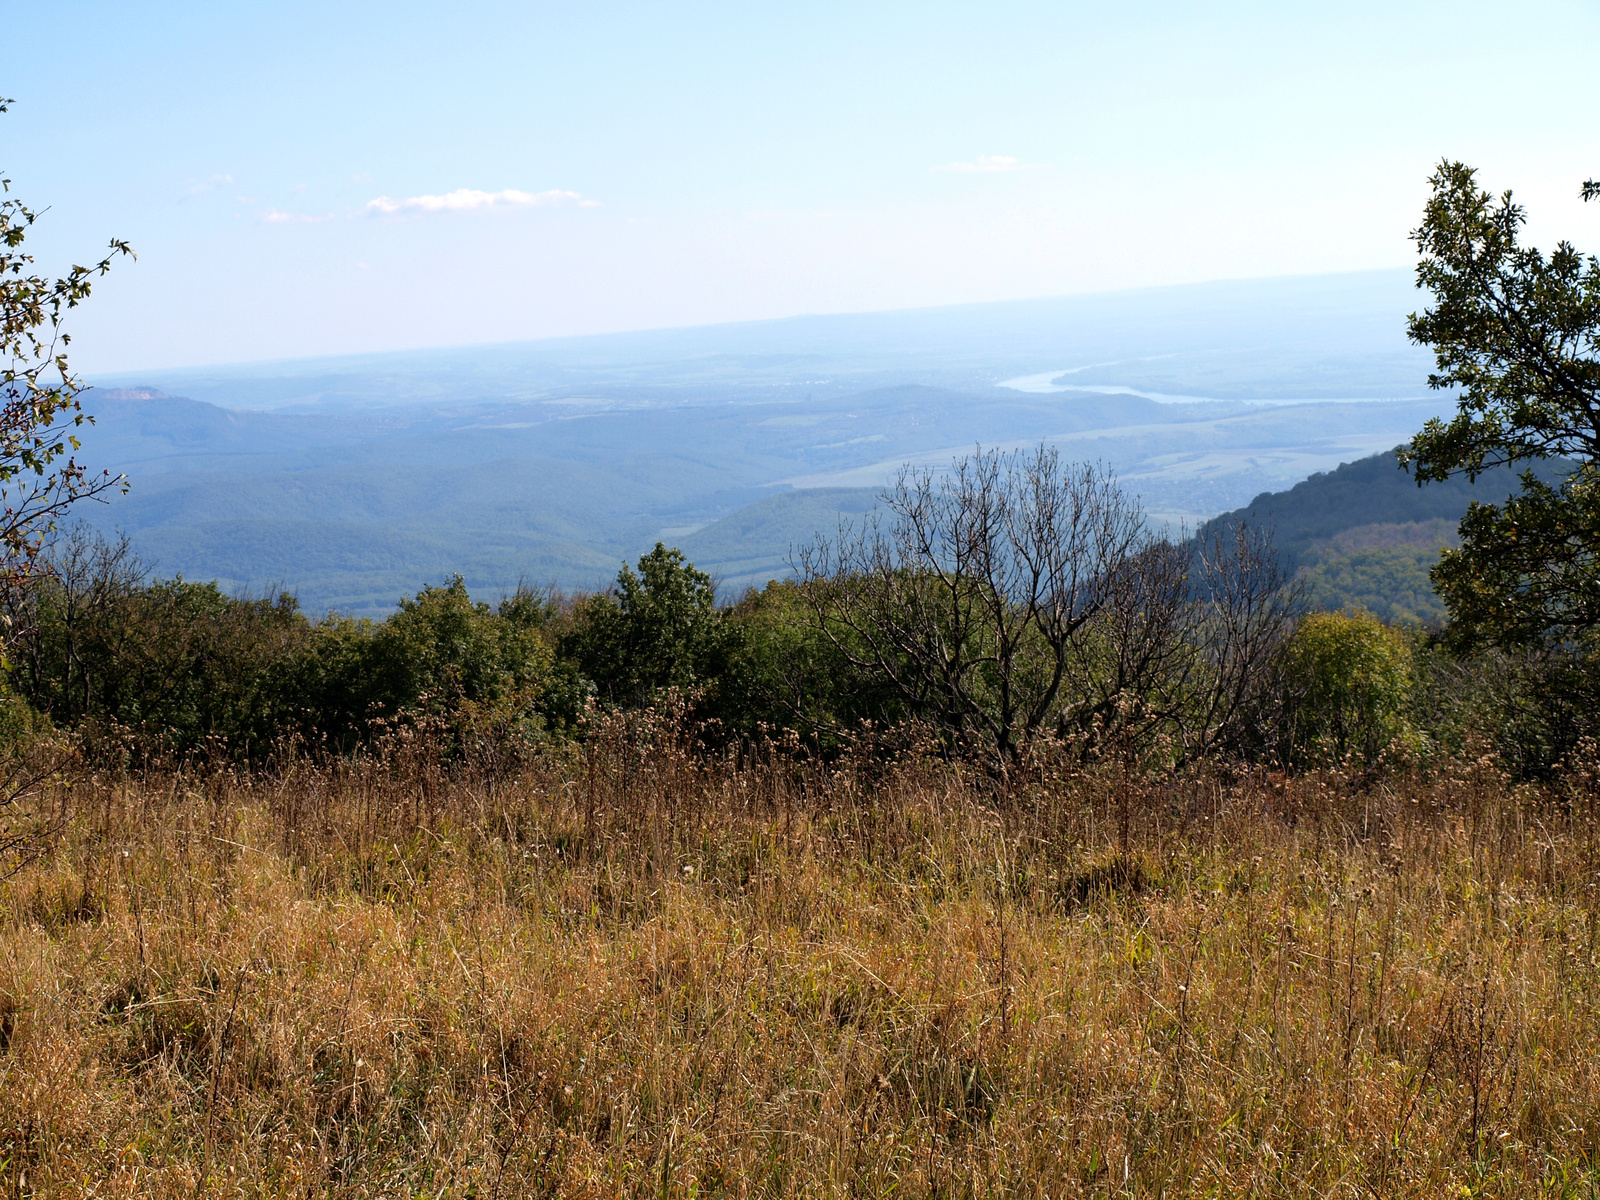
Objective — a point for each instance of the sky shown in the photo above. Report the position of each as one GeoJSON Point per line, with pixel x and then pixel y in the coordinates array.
{"type": "Point", "coordinates": [344, 177]}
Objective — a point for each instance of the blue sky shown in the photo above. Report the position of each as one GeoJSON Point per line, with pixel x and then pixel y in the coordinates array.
{"type": "Point", "coordinates": [307, 179]}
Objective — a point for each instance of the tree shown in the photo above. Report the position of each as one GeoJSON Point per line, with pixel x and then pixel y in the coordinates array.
{"type": "Point", "coordinates": [96, 642]}
{"type": "Point", "coordinates": [1014, 599]}
{"type": "Point", "coordinates": [785, 673]}
{"type": "Point", "coordinates": [1349, 678]}
{"type": "Point", "coordinates": [1517, 334]}
{"type": "Point", "coordinates": [473, 670]}
{"type": "Point", "coordinates": [657, 629]}
{"type": "Point", "coordinates": [40, 477]}
{"type": "Point", "coordinates": [975, 602]}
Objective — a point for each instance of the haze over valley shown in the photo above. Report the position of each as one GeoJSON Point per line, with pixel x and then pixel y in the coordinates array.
{"type": "Point", "coordinates": [352, 481]}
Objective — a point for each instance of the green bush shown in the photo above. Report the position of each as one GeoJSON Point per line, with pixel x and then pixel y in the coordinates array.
{"type": "Point", "coordinates": [784, 672]}
{"type": "Point", "coordinates": [1348, 680]}
{"type": "Point", "coordinates": [20, 725]}
{"type": "Point", "coordinates": [173, 662]}
{"type": "Point", "coordinates": [179, 666]}
{"type": "Point", "coordinates": [1531, 706]}
{"type": "Point", "coordinates": [441, 655]}
{"type": "Point", "coordinates": [656, 630]}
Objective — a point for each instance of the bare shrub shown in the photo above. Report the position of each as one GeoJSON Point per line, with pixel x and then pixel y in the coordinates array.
{"type": "Point", "coordinates": [1015, 600]}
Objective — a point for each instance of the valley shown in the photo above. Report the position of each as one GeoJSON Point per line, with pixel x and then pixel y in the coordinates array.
{"type": "Point", "coordinates": [352, 482]}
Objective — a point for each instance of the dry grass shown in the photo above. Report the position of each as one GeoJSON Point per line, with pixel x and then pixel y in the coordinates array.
{"type": "Point", "coordinates": [647, 972]}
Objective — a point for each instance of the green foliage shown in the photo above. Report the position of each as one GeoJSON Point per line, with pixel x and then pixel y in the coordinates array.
{"type": "Point", "coordinates": [657, 629]}
{"type": "Point", "coordinates": [192, 662]}
{"type": "Point", "coordinates": [1390, 582]}
{"type": "Point", "coordinates": [182, 667]}
{"type": "Point", "coordinates": [1515, 335]}
{"type": "Point", "coordinates": [1348, 678]}
{"type": "Point", "coordinates": [1532, 707]}
{"type": "Point", "coordinates": [441, 655]}
{"type": "Point", "coordinates": [39, 406]}
{"type": "Point", "coordinates": [1528, 570]}
{"type": "Point", "coordinates": [785, 672]}
{"type": "Point", "coordinates": [20, 725]}
{"type": "Point", "coordinates": [173, 661]}
{"type": "Point", "coordinates": [179, 664]}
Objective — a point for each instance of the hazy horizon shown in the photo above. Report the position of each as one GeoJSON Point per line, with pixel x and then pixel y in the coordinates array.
{"type": "Point", "coordinates": [120, 375]}
{"type": "Point", "coordinates": [521, 287]}
{"type": "Point", "coordinates": [305, 181]}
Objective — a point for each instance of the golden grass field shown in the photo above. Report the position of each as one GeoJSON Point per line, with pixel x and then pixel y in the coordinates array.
{"type": "Point", "coordinates": [640, 970]}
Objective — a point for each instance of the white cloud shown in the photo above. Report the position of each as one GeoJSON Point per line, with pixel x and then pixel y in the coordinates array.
{"type": "Point", "coordinates": [276, 216]}
{"type": "Point", "coordinates": [469, 199]}
{"type": "Point", "coordinates": [989, 163]}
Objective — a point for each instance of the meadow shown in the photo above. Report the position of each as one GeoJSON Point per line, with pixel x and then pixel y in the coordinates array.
{"type": "Point", "coordinates": [637, 966]}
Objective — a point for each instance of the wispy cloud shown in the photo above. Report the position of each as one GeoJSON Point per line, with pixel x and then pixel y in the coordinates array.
{"type": "Point", "coordinates": [470, 199]}
{"type": "Point", "coordinates": [989, 163]}
{"type": "Point", "coordinates": [276, 216]}
{"type": "Point", "coordinates": [205, 185]}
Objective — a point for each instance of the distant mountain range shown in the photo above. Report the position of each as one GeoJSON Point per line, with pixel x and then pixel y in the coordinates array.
{"type": "Point", "coordinates": [356, 481]}
{"type": "Point", "coordinates": [1312, 337]}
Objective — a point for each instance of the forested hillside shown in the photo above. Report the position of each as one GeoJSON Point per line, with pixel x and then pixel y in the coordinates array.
{"type": "Point", "coordinates": [1365, 534]}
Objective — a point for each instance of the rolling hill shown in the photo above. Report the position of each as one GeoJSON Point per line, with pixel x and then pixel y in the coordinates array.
{"type": "Point", "coordinates": [351, 511]}
{"type": "Point", "coordinates": [1365, 535]}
